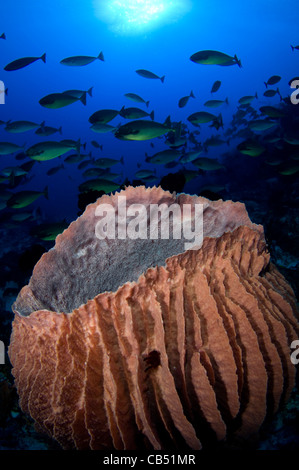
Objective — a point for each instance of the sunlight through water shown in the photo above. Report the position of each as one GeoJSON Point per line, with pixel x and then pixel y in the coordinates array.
{"type": "Point", "coordinates": [131, 17]}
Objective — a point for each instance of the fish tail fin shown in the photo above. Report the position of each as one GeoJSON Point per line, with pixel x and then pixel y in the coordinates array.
{"type": "Point", "coordinates": [43, 57]}
{"type": "Point", "coordinates": [226, 100]}
{"type": "Point", "coordinates": [122, 160]}
{"type": "Point", "coordinates": [83, 98]}
{"type": "Point", "coordinates": [278, 91]}
{"type": "Point", "coordinates": [89, 91]}
{"type": "Point", "coordinates": [3, 36]}
{"type": "Point", "coordinates": [60, 130]}
{"type": "Point", "coordinates": [220, 120]}
{"type": "Point", "coordinates": [266, 84]}
{"type": "Point", "coordinates": [237, 61]}
{"type": "Point", "coordinates": [256, 95]}
{"type": "Point", "coordinates": [42, 124]}
{"type": "Point", "coordinates": [101, 56]}
{"type": "Point", "coordinates": [152, 115]}
{"type": "Point", "coordinates": [147, 103]}
{"type": "Point", "coordinates": [192, 94]}
{"type": "Point", "coordinates": [292, 47]}
{"type": "Point", "coordinates": [46, 192]}
{"type": "Point", "coordinates": [6, 91]}
{"type": "Point", "coordinates": [101, 147]}
{"type": "Point", "coordinates": [162, 78]}
{"type": "Point", "coordinates": [78, 146]}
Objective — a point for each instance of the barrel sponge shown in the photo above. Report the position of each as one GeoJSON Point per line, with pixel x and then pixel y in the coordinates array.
{"type": "Point", "coordinates": [141, 344]}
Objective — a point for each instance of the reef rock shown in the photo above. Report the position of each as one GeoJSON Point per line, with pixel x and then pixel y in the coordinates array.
{"type": "Point", "coordinates": [131, 344]}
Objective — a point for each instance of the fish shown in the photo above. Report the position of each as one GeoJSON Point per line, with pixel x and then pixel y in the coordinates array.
{"type": "Point", "coordinates": [23, 62]}
{"type": "Point", "coordinates": [48, 150]}
{"type": "Point", "coordinates": [251, 147]}
{"type": "Point", "coordinates": [184, 100]}
{"type": "Point", "coordinates": [93, 172]}
{"type": "Point", "coordinates": [16, 127]}
{"type": "Point", "coordinates": [272, 80]}
{"type": "Point", "coordinates": [85, 163]}
{"type": "Point", "coordinates": [289, 169]}
{"type": "Point", "coordinates": [103, 116]}
{"type": "Point", "coordinates": [73, 144]}
{"type": "Point", "coordinates": [102, 128]}
{"type": "Point", "coordinates": [109, 176]}
{"type": "Point", "coordinates": [21, 156]}
{"type": "Point", "coordinates": [144, 173]}
{"type": "Point", "coordinates": [22, 216]}
{"type": "Point", "coordinates": [147, 74]}
{"type": "Point", "coordinates": [3, 36]}
{"type": "Point", "coordinates": [136, 98]}
{"type": "Point", "coordinates": [13, 171]}
{"type": "Point", "coordinates": [79, 93]}
{"type": "Point", "coordinates": [190, 174]}
{"type": "Point", "coordinates": [207, 164]}
{"type": "Point", "coordinates": [60, 100]}
{"type": "Point", "coordinates": [261, 125]}
{"type": "Point", "coordinates": [149, 179]}
{"type": "Point", "coordinates": [98, 184]}
{"type": "Point", "coordinates": [271, 112]}
{"type": "Point", "coordinates": [25, 198]}
{"type": "Point", "coordinates": [48, 231]}
{"type": "Point", "coordinates": [188, 157]}
{"type": "Point", "coordinates": [45, 131]}
{"type": "Point", "coordinates": [214, 141]}
{"type": "Point", "coordinates": [295, 47]}
{"type": "Point", "coordinates": [271, 93]}
{"type": "Point", "coordinates": [95, 144]}
{"type": "Point", "coordinates": [291, 139]}
{"type": "Point", "coordinates": [216, 86]}
{"type": "Point", "coordinates": [201, 117]}
{"type": "Point", "coordinates": [135, 113]}
{"type": "Point", "coordinates": [81, 60]}
{"type": "Point", "coordinates": [210, 57]}
{"type": "Point", "coordinates": [141, 130]}
{"type": "Point", "coordinates": [274, 161]}
{"type": "Point", "coordinates": [55, 169]}
{"type": "Point", "coordinates": [7, 148]}
{"type": "Point", "coordinates": [163, 157]}
{"type": "Point", "coordinates": [247, 99]}
{"type": "Point", "coordinates": [107, 162]}
{"type": "Point", "coordinates": [215, 103]}
{"type": "Point", "coordinates": [76, 158]}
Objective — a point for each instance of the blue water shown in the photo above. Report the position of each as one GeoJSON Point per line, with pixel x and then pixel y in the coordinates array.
{"type": "Point", "coordinates": [259, 33]}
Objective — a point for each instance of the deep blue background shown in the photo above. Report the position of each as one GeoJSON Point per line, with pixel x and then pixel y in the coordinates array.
{"type": "Point", "coordinates": [258, 32]}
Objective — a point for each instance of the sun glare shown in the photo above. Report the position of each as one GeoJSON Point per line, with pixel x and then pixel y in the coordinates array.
{"type": "Point", "coordinates": [138, 16]}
